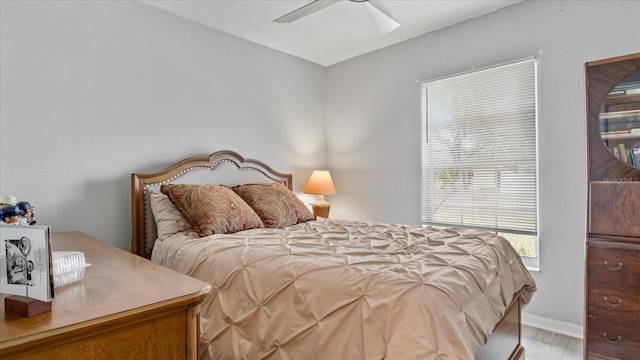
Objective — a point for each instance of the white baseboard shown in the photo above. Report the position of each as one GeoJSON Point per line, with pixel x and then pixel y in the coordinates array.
{"type": "Point", "coordinates": [556, 326]}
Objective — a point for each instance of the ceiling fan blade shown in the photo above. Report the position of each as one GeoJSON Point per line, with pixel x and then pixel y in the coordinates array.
{"type": "Point", "coordinates": [380, 16]}
{"type": "Point", "coordinates": [305, 10]}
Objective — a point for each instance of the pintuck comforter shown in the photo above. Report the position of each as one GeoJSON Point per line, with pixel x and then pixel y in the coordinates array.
{"type": "Point", "coordinates": [331, 289]}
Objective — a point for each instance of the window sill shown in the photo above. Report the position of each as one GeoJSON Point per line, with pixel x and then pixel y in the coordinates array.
{"type": "Point", "coordinates": [531, 263]}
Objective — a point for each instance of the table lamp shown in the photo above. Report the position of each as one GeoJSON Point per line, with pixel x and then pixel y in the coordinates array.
{"type": "Point", "coordinates": [320, 184]}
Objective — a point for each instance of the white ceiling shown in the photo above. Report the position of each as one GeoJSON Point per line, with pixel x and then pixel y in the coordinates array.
{"type": "Point", "coordinates": [336, 33]}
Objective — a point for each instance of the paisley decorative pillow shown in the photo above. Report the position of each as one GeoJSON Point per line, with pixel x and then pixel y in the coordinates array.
{"type": "Point", "coordinates": [212, 209]}
{"type": "Point", "coordinates": [276, 205]}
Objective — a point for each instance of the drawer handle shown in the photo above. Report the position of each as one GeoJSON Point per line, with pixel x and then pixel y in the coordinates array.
{"type": "Point", "coordinates": [613, 305]}
{"type": "Point", "coordinates": [612, 341]}
{"type": "Point", "coordinates": [619, 267]}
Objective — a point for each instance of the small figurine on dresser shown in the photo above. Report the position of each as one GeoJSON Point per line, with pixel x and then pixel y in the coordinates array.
{"type": "Point", "coordinates": [7, 200]}
{"type": "Point", "coordinates": [10, 214]}
{"type": "Point", "coordinates": [10, 206]}
{"type": "Point", "coordinates": [28, 217]}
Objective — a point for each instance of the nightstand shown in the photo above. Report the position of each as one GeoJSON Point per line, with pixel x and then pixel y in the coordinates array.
{"type": "Point", "coordinates": [125, 307]}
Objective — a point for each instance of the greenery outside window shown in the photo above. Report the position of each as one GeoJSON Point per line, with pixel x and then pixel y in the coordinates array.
{"type": "Point", "coordinates": [479, 153]}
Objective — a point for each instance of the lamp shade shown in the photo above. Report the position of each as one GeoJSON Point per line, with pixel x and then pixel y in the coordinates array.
{"type": "Point", "coordinates": [320, 183]}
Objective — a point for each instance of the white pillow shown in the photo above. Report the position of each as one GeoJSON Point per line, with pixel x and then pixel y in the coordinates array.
{"type": "Point", "coordinates": [169, 220]}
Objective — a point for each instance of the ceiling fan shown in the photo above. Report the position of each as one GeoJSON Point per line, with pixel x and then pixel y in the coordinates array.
{"type": "Point", "coordinates": [376, 9]}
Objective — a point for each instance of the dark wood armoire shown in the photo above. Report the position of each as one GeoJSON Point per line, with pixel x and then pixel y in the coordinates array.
{"type": "Point", "coordinates": [612, 279]}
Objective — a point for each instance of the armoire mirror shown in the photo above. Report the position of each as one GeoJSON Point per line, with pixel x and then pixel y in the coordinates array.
{"type": "Point", "coordinates": [613, 118]}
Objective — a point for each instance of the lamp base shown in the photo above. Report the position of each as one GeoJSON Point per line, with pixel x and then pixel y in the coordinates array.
{"type": "Point", "coordinates": [321, 210]}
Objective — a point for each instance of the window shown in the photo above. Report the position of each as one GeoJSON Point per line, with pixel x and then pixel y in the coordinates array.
{"type": "Point", "coordinates": [479, 153]}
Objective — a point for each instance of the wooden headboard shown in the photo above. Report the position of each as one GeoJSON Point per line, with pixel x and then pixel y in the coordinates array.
{"type": "Point", "coordinates": [223, 167]}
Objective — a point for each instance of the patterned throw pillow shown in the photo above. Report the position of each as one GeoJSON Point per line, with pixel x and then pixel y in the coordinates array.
{"type": "Point", "coordinates": [276, 205]}
{"type": "Point", "coordinates": [212, 209]}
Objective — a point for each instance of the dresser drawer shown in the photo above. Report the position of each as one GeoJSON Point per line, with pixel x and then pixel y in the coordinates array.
{"type": "Point", "coordinates": [618, 339]}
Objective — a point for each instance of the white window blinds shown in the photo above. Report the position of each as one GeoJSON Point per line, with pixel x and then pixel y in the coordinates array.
{"type": "Point", "coordinates": [479, 153]}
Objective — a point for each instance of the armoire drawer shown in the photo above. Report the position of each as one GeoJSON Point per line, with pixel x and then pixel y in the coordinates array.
{"type": "Point", "coordinates": [614, 303]}
{"type": "Point", "coordinates": [618, 339]}
{"type": "Point", "coordinates": [614, 267]}
{"type": "Point", "coordinates": [613, 208]}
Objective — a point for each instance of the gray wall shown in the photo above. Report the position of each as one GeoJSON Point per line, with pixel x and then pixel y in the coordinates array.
{"type": "Point", "coordinates": [373, 122]}
{"type": "Point", "coordinates": [93, 91]}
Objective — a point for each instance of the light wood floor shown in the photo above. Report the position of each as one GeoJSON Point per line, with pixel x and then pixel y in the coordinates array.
{"type": "Point", "coordinates": [545, 345]}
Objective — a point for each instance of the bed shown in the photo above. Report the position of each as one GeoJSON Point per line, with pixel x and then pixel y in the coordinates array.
{"type": "Point", "coordinates": [312, 288]}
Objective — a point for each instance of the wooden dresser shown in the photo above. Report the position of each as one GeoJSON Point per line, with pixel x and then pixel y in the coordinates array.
{"type": "Point", "coordinates": [612, 280]}
{"type": "Point", "coordinates": [125, 307]}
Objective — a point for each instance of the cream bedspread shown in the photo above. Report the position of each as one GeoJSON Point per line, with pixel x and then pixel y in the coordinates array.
{"type": "Point", "coordinates": [349, 290]}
